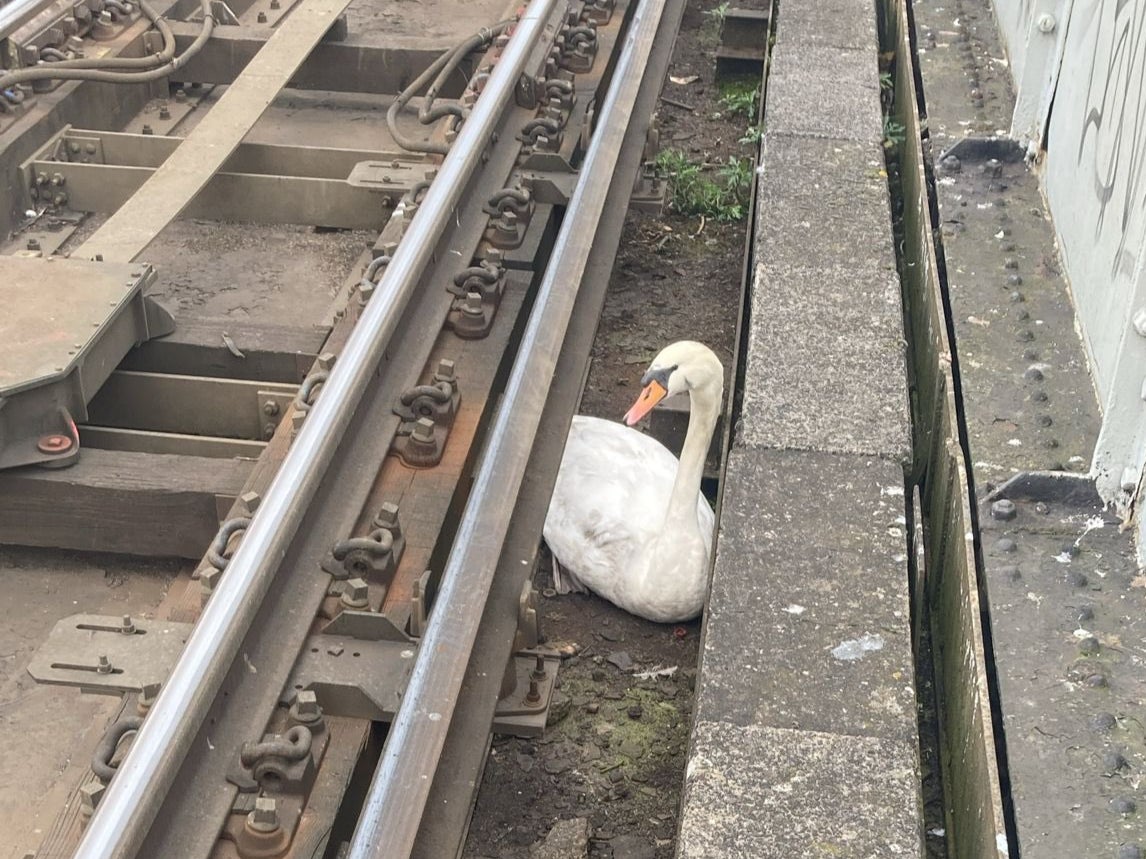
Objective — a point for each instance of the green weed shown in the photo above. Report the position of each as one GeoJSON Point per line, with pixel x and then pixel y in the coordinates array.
{"type": "Point", "coordinates": [694, 193]}
{"type": "Point", "coordinates": [738, 98]}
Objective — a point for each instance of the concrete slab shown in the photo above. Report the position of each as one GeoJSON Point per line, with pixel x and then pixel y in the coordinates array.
{"type": "Point", "coordinates": [808, 618]}
{"type": "Point", "coordinates": [826, 360]}
{"type": "Point", "coordinates": [822, 202]}
{"type": "Point", "coordinates": [828, 23]}
{"type": "Point", "coordinates": [824, 92]}
{"type": "Point", "coordinates": [754, 792]}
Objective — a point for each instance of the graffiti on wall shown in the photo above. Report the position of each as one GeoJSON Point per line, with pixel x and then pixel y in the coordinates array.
{"type": "Point", "coordinates": [1115, 123]}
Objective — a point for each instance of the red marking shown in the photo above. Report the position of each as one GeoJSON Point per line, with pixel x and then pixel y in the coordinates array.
{"type": "Point", "coordinates": [55, 443]}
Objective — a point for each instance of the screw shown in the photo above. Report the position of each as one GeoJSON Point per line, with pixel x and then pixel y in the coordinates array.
{"type": "Point", "coordinates": [533, 696]}
{"type": "Point", "coordinates": [270, 408]}
{"type": "Point", "coordinates": [538, 672]}
{"type": "Point", "coordinates": [1004, 509]}
{"type": "Point", "coordinates": [265, 817]}
{"type": "Point", "coordinates": [104, 666]}
{"type": "Point", "coordinates": [54, 443]}
{"type": "Point", "coordinates": [127, 625]}
{"type": "Point", "coordinates": [356, 594]}
{"type": "Point", "coordinates": [250, 500]}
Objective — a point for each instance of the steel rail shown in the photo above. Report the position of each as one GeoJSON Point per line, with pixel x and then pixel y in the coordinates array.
{"type": "Point", "coordinates": [133, 798]}
{"type": "Point", "coordinates": [18, 13]}
{"type": "Point", "coordinates": [396, 802]}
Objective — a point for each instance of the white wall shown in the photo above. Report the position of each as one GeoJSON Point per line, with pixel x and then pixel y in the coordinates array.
{"type": "Point", "coordinates": [1086, 76]}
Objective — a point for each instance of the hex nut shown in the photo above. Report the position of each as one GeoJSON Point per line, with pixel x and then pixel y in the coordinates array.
{"type": "Point", "coordinates": [355, 593]}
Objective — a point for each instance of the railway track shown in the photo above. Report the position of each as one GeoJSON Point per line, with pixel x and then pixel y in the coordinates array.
{"type": "Point", "coordinates": [359, 422]}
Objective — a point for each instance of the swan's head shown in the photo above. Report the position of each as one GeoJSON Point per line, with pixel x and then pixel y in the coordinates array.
{"type": "Point", "coordinates": [682, 366]}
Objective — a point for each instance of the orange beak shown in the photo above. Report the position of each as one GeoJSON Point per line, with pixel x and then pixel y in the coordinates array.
{"type": "Point", "coordinates": [653, 393]}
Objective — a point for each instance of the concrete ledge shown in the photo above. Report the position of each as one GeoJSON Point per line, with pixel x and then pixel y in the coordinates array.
{"type": "Point", "coordinates": [829, 23]}
{"type": "Point", "coordinates": [808, 619]}
{"type": "Point", "coordinates": [826, 365]}
{"type": "Point", "coordinates": [766, 793]}
{"type": "Point", "coordinates": [823, 92]}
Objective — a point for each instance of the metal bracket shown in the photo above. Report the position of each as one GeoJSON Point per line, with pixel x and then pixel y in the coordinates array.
{"type": "Point", "coordinates": [352, 677]}
{"type": "Point", "coordinates": [108, 655]}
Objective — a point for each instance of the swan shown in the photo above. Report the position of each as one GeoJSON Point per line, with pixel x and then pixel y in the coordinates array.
{"type": "Point", "coordinates": [627, 520]}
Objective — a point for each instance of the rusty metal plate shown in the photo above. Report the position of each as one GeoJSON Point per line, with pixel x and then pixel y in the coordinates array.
{"type": "Point", "coordinates": [77, 646]}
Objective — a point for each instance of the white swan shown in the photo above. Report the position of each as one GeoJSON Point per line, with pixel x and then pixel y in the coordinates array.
{"type": "Point", "coordinates": [627, 520]}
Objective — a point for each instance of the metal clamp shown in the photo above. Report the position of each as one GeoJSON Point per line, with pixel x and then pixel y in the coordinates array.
{"type": "Point", "coordinates": [102, 766]}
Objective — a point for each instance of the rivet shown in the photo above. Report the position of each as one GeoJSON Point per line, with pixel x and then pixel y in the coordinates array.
{"type": "Point", "coordinates": [1103, 722]}
{"type": "Point", "coordinates": [1004, 509]}
{"type": "Point", "coordinates": [1123, 805]}
{"type": "Point", "coordinates": [1076, 579]}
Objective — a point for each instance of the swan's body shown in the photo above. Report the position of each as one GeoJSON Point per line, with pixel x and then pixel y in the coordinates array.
{"type": "Point", "coordinates": [627, 520]}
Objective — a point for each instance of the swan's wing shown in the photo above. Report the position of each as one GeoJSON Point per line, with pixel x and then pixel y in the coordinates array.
{"type": "Point", "coordinates": [598, 513]}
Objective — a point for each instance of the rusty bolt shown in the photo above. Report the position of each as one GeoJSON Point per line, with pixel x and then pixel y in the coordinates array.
{"type": "Point", "coordinates": [265, 817]}
{"type": "Point", "coordinates": [127, 625]}
{"type": "Point", "coordinates": [261, 18]}
{"type": "Point", "coordinates": [538, 672]}
{"type": "Point", "coordinates": [356, 593]}
{"type": "Point", "coordinates": [104, 665]}
{"type": "Point", "coordinates": [250, 500]}
{"type": "Point", "coordinates": [533, 696]}
{"type": "Point", "coordinates": [423, 430]}
{"type": "Point", "coordinates": [54, 443]}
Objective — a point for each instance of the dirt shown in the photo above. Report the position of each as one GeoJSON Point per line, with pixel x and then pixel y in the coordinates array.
{"type": "Point", "coordinates": [614, 753]}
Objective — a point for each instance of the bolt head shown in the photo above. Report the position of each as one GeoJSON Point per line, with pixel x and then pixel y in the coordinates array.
{"type": "Point", "coordinates": [54, 443]}
{"type": "Point", "coordinates": [355, 593]}
{"type": "Point", "coordinates": [265, 816]}
{"type": "Point", "coordinates": [90, 795]}
{"type": "Point", "coordinates": [306, 705]}
{"type": "Point", "coordinates": [387, 515]}
{"type": "Point", "coordinates": [325, 361]}
{"type": "Point", "coordinates": [424, 429]}
{"type": "Point", "coordinates": [1004, 509]}
{"type": "Point", "coordinates": [446, 370]}
{"type": "Point", "coordinates": [250, 500]}
{"type": "Point", "coordinates": [1047, 23]}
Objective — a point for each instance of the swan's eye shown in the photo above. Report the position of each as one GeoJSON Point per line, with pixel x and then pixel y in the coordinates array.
{"type": "Point", "coordinates": [659, 375]}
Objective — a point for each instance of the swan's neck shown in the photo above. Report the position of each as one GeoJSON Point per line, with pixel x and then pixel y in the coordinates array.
{"type": "Point", "coordinates": [703, 412]}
